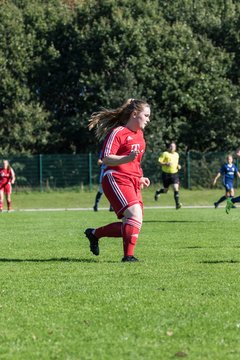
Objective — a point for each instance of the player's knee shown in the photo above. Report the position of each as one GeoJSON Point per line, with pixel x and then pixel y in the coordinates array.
{"type": "Point", "coordinates": [134, 211]}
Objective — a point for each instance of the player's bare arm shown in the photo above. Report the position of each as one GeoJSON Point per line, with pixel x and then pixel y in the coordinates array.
{"type": "Point", "coordinates": [115, 160]}
{"type": "Point", "coordinates": [216, 178]}
{"type": "Point", "coordinates": [13, 176]}
{"type": "Point", "coordinates": [163, 163]}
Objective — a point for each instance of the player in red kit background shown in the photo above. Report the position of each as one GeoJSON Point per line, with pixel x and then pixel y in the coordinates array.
{"type": "Point", "coordinates": [7, 178]}
{"type": "Point", "coordinates": [123, 179]}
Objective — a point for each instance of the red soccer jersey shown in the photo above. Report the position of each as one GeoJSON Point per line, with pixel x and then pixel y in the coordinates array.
{"type": "Point", "coordinates": [121, 141]}
{"type": "Point", "coordinates": [5, 176]}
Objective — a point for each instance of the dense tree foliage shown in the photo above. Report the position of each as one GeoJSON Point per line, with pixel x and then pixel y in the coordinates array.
{"type": "Point", "coordinates": [60, 60]}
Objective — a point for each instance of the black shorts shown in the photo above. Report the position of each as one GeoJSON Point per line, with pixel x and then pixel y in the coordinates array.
{"type": "Point", "coordinates": [170, 179]}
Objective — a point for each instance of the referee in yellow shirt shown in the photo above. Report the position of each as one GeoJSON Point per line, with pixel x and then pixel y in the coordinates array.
{"type": "Point", "coordinates": [170, 166]}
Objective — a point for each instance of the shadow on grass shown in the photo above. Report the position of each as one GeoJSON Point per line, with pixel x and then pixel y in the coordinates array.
{"type": "Point", "coordinates": [220, 262]}
{"type": "Point", "coordinates": [193, 247]}
{"type": "Point", "coordinates": [177, 221]}
{"type": "Point", "coordinates": [50, 260]}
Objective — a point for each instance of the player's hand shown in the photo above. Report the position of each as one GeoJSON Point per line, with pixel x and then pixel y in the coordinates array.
{"type": "Point", "coordinates": [144, 182]}
{"type": "Point", "coordinates": [179, 167]}
{"type": "Point", "coordinates": [238, 152]}
{"type": "Point", "coordinates": [133, 154]}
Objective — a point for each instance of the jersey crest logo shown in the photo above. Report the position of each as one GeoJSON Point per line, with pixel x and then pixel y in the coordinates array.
{"type": "Point", "coordinates": [136, 147]}
{"type": "Point", "coordinates": [129, 138]}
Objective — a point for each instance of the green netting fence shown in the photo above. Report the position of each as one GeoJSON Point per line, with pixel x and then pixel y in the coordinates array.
{"type": "Point", "coordinates": [50, 171]}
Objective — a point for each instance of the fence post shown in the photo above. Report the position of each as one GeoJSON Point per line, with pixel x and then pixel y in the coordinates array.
{"type": "Point", "coordinates": [40, 173]}
{"type": "Point", "coordinates": [90, 170]}
{"type": "Point", "coordinates": [188, 170]}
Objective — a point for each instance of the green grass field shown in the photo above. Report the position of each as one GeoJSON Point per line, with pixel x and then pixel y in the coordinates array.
{"type": "Point", "coordinates": [85, 199]}
{"type": "Point", "coordinates": [58, 301]}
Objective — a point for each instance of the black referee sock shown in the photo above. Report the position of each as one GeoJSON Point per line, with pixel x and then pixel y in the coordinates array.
{"type": "Point", "coordinates": [161, 191]}
{"type": "Point", "coordinates": [176, 197]}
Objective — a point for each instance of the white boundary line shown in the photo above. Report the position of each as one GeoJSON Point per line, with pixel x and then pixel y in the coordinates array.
{"type": "Point", "coordinates": [104, 208]}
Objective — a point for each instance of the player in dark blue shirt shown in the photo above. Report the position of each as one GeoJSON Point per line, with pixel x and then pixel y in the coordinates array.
{"type": "Point", "coordinates": [228, 172]}
{"type": "Point", "coordinates": [232, 201]}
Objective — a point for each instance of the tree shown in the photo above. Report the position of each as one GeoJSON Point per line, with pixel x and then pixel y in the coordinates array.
{"type": "Point", "coordinates": [62, 60]}
{"type": "Point", "coordinates": [23, 121]}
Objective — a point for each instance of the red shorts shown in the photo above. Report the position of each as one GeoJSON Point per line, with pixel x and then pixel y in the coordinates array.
{"type": "Point", "coordinates": [121, 191]}
{"type": "Point", "coordinates": [7, 188]}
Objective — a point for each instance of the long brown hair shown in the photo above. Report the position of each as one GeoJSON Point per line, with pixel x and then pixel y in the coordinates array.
{"type": "Point", "coordinates": [107, 119]}
{"type": "Point", "coordinates": [8, 164]}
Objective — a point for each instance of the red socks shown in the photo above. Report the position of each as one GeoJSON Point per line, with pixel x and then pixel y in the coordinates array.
{"type": "Point", "coordinates": [131, 230]}
{"type": "Point", "coordinates": [110, 230]}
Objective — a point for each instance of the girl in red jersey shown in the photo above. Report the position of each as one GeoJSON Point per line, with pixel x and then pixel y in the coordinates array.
{"type": "Point", "coordinates": [123, 179]}
{"type": "Point", "coordinates": [7, 178]}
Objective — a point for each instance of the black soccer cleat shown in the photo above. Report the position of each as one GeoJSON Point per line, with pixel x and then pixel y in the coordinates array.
{"type": "Point", "coordinates": [129, 259]}
{"type": "Point", "coordinates": [95, 208]}
{"type": "Point", "coordinates": [93, 241]}
{"type": "Point", "coordinates": [178, 206]}
{"type": "Point", "coordinates": [216, 205]}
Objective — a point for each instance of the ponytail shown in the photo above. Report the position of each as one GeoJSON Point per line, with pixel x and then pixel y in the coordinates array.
{"type": "Point", "coordinates": [108, 119]}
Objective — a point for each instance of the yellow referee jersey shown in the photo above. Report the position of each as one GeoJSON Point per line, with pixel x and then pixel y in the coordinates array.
{"type": "Point", "coordinates": [168, 157]}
